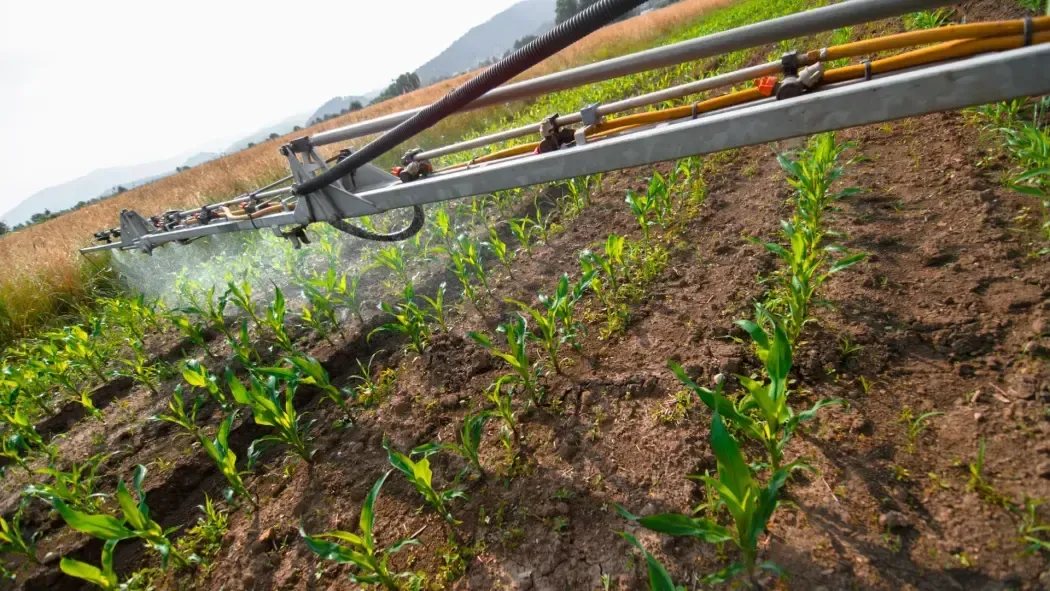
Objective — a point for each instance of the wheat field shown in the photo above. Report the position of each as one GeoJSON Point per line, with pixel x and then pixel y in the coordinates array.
{"type": "Point", "coordinates": [46, 277]}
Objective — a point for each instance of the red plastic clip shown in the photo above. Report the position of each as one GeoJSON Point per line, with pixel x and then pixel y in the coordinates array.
{"type": "Point", "coordinates": [767, 85]}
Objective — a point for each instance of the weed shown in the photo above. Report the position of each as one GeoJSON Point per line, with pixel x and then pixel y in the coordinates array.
{"type": "Point", "coordinates": [918, 426]}
{"type": "Point", "coordinates": [929, 19]}
{"type": "Point", "coordinates": [204, 539]}
{"type": "Point", "coordinates": [1032, 532]}
{"type": "Point", "coordinates": [371, 392]}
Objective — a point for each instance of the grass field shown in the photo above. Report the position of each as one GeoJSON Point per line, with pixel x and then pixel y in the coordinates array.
{"type": "Point", "coordinates": [46, 277]}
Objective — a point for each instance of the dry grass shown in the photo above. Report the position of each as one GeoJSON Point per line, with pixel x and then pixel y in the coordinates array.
{"type": "Point", "coordinates": [46, 276]}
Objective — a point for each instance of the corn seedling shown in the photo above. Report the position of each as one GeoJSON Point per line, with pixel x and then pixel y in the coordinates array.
{"type": "Point", "coordinates": [749, 504]}
{"type": "Point", "coordinates": [87, 351]}
{"type": "Point", "coordinates": [219, 451]}
{"type": "Point", "coordinates": [104, 578]}
{"type": "Point", "coordinates": [361, 551]}
{"type": "Point", "coordinates": [198, 376]}
{"type": "Point", "coordinates": [500, 249]}
{"type": "Point", "coordinates": [522, 229]}
{"type": "Point", "coordinates": [467, 447]}
{"type": "Point", "coordinates": [918, 426]}
{"type": "Point", "coordinates": [307, 370]}
{"type": "Point", "coordinates": [142, 371]}
{"type": "Point", "coordinates": [13, 541]}
{"type": "Point", "coordinates": [509, 432]}
{"type": "Point", "coordinates": [241, 296]}
{"type": "Point", "coordinates": [268, 409]}
{"type": "Point", "coordinates": [74, 487]}
{"type": "Point", "coordinates": [517, 357]}
{"type": "Point", "coordinates": [61, 372]}
{"type": "Point", "coordinates": [979, 483]}
{"type": "Point", "coordinates": [409, 321]}
{"type": "Point", "coordinates": [274, 320]}
{"type": "Point", "coordinates": [420, 475]}
{"type": "Point", "coordinates": [546, 331]}
{"type": "Point", "coordinates": [469, 251]}
{"type": "Point", "coordinates": [179, 416]}
{"type": "Point", "coordinates": [241, 343]}
{"type": "Point", "coordinates": [192, 329]}
{"type": "Point", "coordinates": [659, 578]}
{"type": "Point", "coordinates": [437, 307]}
{"type": "Point", "coordinates": [444, 228]}
{"type": "Point", "coordinates": [393, 259]}
{"type": "Point", "coordinates": [642, 207]}
{"type": "Point", "coordinates": [543, 226]}
{"type": "Point", "coordinates": [136, 522]}
{"type": "Point", "coordinates": [563, 304]}
{"type": "Point", "coordinates": [769, 399]}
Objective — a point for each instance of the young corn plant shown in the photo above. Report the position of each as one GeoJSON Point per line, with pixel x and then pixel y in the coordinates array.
{"type": "Point", "coordinates": [198, 376]}
{"type": "Point", "coordinates": [563, 305]}
{"type": "Point", "coordinates": [523, 230]}
{"type": "Point", "coordinates": [74, 487]}
{"type": "Point", "coordinates": [265, 399]}
{"type": "Point", "coordinates": [393, 259]}
{"type": "Point", "coordinates": [136, 522]}
{"type": "Point", "coordinates": [274, 320]}
{"type": "Point", "coordinates": [750, 505]}
{"type": "Point", "coordinates": [241, 296]}
{"type": "Point", "coordinates": [142, 371]}
{"type": "Point", "coordinates": [546, 331]}
{"type": "Point", "coordinates": [420, 475]}
{"type": "Point", "coordinates": [470, 434]}
{"type": "Point", "coordinates": [192, 329]}
{"type": "Point", "coordinates": [13, 541]}
{"type": "Point", "coordinates": [643, 208]}
{"type": "Point", "coordinates": [371, 562]}
{"type": "Point", "coordinates": [768, 397]}
{"type": "Point", "coordinates": [437, 307]}
{"type": "Point", "coordinates": [307, 370]}
{"type": "Point", "coordinates": [60, 371]}
{"type": "Point", "coordinates": [409, 320]}
{"type": "Point", "coordinates": [86, 351]}
{"type": "Point", "coordinates": [469, 251]}
{"type": "Point", "coordinates": [544, 226]}
{"type": "Point", "coordinates": [510, 434]}
{"type": "Point", "coordinates": [517, 356]}
{"type": "Point", "coordinates": [104, 578]}
{"type": "Point", "coordinates": [179, 416]}
{"type": "Point", "coordinates": [218, 449]}
{"type": "Point", "coordinates": [499, 248]}
{"type": "Point", "coordinates": [243, 349]}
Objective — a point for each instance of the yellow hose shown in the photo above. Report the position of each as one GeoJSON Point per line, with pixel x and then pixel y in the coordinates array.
{"type": "Point", "coordinates": [938, 35]}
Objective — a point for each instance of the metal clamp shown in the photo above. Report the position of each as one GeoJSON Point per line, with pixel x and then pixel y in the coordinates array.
{"type": "Point", "coordinates": [867, 70]}
{"type": "Point", "coordinates": [1027, 30]}
{"type": "Point", "coordinates": [591, 119]}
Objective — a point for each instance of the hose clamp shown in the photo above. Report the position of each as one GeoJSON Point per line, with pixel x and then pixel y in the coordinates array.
{"type": "Point", "coordinates": [1027, 31]}
{"type": "Point", "coordinates": [867, 70]}
{"type": "Point", "coordinates": [695, 110]}
{"type": "Point", "coordinates": [823, 54]}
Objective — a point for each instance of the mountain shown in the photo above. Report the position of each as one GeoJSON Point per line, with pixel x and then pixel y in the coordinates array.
{"type": "Point", "coordinates": [96, 183]}
{"type": "Point", "coordinates": [336, 105]}
{"type": "Point", "coordinates": [201, 158]}
{"type": "Point", "coordinates": [491, 38]}
{"type": "Point", "coordinates": [282, 127]}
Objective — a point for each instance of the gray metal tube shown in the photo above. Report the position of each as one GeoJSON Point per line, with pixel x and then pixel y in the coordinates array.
{"type": "Point", "coordinates": [852, 12]}
{"type": "Point", "coordinates": [651, 98]}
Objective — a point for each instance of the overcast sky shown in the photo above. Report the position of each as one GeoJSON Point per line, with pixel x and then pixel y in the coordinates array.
{"type": "Point", "coordinates": [86, 85]}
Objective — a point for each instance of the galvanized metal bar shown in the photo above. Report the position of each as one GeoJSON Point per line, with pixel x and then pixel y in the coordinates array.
{"type": "Point", "coordinates": [852, 12]}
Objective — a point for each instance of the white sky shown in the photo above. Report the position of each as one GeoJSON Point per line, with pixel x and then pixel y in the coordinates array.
{"type": "Point", "coordinates": [86, 85]}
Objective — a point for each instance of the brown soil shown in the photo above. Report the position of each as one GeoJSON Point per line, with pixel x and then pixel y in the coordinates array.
{"type": "Point", "coordinates": [951, 313]}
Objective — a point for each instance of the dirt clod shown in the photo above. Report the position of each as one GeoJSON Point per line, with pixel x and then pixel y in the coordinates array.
{"type": "Point", "coordinates": [894, 520]}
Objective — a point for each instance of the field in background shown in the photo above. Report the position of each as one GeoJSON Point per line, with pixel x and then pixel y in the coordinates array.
{"type": "Point", "coordinates": [46, 277]}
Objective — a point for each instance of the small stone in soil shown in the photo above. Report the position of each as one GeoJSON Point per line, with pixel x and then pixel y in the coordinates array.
{"type": "Point", "coordinates": [894, 520]}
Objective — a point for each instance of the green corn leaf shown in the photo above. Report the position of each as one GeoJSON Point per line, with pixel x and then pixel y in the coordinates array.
{"type": "Point", "coordinates": [716, 402]}
{"type": "Point", "coordinates": [778, 362]}
{"type": "Point", "coordinates": [368, 512]}
{"type": "Point", "coordinates": [846, 262]}
{"type": "Point", "coordinates": [131, 510]}
{"type": "Point", "coordinates": [100, 526]}
{"type": "Point", "coordinates": [398, 545]}
{"type": "Point", "coordinates": [676, 524]}
{"type": "Point", "coordinates": [732, 469]}
{"type": "Point", "coordinates": [240, 394]}
{"type": "Point", "coordinates": [659, 578]}
{"type": "Point", "coordinates": [756, 333]}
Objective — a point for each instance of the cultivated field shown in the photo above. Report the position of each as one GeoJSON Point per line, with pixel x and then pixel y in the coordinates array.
{"type": "Point", "coordinates": [818, 364]}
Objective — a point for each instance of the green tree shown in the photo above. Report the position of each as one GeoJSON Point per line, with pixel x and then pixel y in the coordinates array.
{"type": "Point", "coordinates": [564, 9]}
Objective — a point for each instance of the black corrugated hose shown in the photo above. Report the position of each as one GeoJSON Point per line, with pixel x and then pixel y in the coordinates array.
{"type": "Point", "coordinates": [558, 38]}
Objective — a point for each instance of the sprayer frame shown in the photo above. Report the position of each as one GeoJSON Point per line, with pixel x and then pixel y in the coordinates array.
{"type": "Point", "coordinates": [963, 83]}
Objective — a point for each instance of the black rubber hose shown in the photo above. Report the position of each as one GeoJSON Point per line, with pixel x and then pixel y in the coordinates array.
{"type": "Point", "coordinates": [555, 40]}
{"type": "Point", "coordinates": [409, 231]}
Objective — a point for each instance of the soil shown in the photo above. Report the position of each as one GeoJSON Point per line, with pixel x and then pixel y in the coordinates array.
{"type": "Point", "coordinates": [949, 313]}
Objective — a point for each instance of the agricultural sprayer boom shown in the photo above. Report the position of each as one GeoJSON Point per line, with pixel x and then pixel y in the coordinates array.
{"type": "Point", "coordinates": [799, 94]}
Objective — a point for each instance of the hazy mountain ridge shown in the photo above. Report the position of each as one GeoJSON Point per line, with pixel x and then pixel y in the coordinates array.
{"type": "Point", "coordinates": [491, 38]}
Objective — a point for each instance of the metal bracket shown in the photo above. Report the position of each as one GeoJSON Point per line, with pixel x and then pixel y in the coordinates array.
{"type": "Point", "coordinates": [591, 119]}
{"type": "Point", "coordinates": [322, 205]}
{"type": "Point", "coordinates": [133, 227]}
